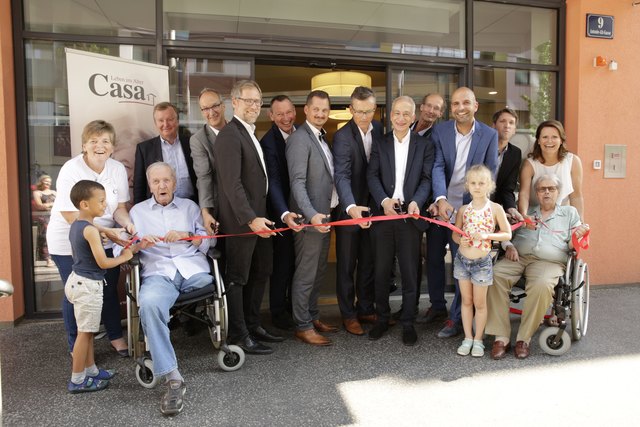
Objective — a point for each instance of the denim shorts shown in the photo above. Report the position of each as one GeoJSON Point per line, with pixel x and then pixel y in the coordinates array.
{"type": "Point", "coordinates": [86, 296]}
{"type": "Point", "coordinates": [479, 270]}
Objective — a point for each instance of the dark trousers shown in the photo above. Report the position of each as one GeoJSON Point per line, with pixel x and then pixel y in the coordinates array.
{"type": "Point", "coordinates": [396, 239]}
{"type": "Point", "coordinates": [354, 255]}
{"type": "Point", "coordinates": [437, 239]}
{"type": "Point", "coordinates": [247, 270]}
{"type": "Point", "coordinates": [282, 275]}
{"type": "Point", "coordinates": [110, 301]}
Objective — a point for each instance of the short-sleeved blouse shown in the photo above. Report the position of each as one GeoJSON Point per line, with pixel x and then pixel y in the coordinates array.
{"type": "Point", "coordinates": [114, 179]}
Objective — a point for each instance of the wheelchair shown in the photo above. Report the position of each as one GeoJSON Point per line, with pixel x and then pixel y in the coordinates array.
{"type": "Point", "coordinates": [570, 305]}
{"type": "Point", "coordinates": [207, 305]}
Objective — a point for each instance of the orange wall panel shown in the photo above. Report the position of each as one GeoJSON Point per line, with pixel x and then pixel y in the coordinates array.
{"type": "Point", "coordinates": [11, 308]}
{"type": "Point", "coordinates": [601, 108]}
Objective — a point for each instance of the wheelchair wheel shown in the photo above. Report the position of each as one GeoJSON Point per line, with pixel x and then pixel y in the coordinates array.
{"type": "Point", "coordinates": [231, 361]}
{"type": "Point", "coordinates": [580, 301]}
{"type": "Point", "coordinates": [145, 375]}
{"type": "Point", "coordinates": [547, 337]}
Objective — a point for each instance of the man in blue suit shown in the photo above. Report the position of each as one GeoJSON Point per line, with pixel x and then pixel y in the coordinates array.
{"type": "Point", "coordinates": [399, 178]}
{"type": "Point", "coordinates": [282, 113]}
{"type": "Point", "coordinates": [459, 144]}
{"type": "Point", "coordinates": [351, 152]}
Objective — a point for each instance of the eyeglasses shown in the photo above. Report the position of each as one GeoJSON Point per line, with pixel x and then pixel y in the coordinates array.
{"type": "Point", "coordinates": [545, 189]}
{"type": "Point", "coordinates": [211, 107]}
{"type": "Point", "coordinates": [362, 113]}
{"type": "Point", "coordinates": [251, 102]}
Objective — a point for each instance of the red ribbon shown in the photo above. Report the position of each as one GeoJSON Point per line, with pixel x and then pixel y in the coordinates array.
{"type": "Point", "coordinates": [578, 244]}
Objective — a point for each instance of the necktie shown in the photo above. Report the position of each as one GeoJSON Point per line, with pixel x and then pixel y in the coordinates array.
{"type": "Point", "coordinates": [327, 152]}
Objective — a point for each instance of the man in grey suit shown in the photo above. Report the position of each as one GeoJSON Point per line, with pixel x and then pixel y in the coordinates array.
{"type": "Point", "coordinates": [201, 143]}
{"type": "Point", "coordinates": [313, 194]}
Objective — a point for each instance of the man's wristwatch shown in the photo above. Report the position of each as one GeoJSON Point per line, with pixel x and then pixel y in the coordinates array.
{"type": "Point", "coordinates": [190, 234]}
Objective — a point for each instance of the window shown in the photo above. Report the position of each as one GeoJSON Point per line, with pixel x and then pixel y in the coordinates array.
{"type": "Point", "coordinates": [431, 28]}
{"type": "Point", "coordinates": [121, 18]}
{"type": "Point", "coordinates": [49, 141]}
{"type": "Point", "coordinates": [512, 33]}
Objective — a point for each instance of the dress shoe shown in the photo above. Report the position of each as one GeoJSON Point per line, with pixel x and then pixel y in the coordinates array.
{"type": "Point", "coordinates": [409, 336]}
{"type": "Point", "coordinates": [310, 336]}
{"type": "Point", "coordinates": [353, 326]}
{"type": "Point", "coordinates": [283, 321]}
{"type": "Point", "coordinates": [521, 350]}
{"type": "Point", "coordinates": [499, 350]}
{"type": "Point", "coordinates": [261, 334]}
{"type": "Point", "coordinates": [432, 315]}
{"type": "Point", "coordinates": [323, 327]}
{"type": "Point", "coordinates": [378, 331]}
{"type": "Point", "coordinates": [251, 346]}
{"type": "Point", "coordinates": [367, 318]}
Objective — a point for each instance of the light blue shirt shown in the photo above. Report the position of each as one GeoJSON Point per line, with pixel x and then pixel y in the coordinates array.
{"type": "Point", "coordinates": [165, 259]}
{"type": "Point", "coordinates": [174, 156]}
{"type": "Point", "coordinates": [550, 242]}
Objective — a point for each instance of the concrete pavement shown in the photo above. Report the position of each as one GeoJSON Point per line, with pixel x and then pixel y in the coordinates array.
{"type": "Point", "coordinates": [354, 382]}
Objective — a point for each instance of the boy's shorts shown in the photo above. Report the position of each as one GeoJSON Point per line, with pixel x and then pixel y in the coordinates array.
{"type": "Point", "coordinates": [479, 271]}
{"type": "Point", "coordinates": [86, 297]}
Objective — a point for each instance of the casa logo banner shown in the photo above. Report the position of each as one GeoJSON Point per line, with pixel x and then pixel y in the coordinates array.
{"type": "Point", "coordinates": [119, 91]}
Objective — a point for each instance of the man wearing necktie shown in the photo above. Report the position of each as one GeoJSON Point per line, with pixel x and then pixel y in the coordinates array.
{"type": "Point", "coordinates": [351, 152]}
{"type": "Point", "coordinates": [242, 207]}
{"type": "Point", "coordinates": [313, 194]}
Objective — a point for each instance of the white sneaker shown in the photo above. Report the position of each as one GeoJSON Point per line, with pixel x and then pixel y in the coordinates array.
{"type": "Point", "coordinates": [465, 347]}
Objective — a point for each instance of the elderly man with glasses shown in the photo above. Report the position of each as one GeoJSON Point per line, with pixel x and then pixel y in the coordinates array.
{"type": "Point", "coordinates": [201, 143]}
{"type": "Point", "coordinates": [539, 254]}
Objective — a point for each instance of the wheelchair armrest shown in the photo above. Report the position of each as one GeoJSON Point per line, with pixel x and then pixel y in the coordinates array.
{"type": "Point", "coordinates": [214, 253]}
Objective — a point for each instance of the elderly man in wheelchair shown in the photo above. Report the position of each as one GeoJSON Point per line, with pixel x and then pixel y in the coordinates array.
{"type": "Point", "coordinates": [539, 253]}
{"type": "Point", "coordinates": [170, 267]}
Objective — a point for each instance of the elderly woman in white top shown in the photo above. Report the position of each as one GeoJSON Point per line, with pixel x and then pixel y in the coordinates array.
{"type": "Point", "coordinates": [95, 163]}
{"type": "Point", "coordinates": [550, 156]}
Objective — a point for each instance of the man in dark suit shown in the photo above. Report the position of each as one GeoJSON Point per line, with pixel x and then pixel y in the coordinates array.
{"type": "Point", "coordinates": [351, 152]}
{"type": "Point", "coordinates": [282, 113]}
{"type": "Point", "coordinates": [431, 111]}
{"type": "Point", "coordinates": [168, 147]}
{"type": "Point", "coordinates": [459, 144]}
{"type": "Point", "coordinates": [399, 178]}
{"type": "Point", "coordinates": [509, 159]}
{"type": "Point", "coordinates": [313, 194]}
{"type": "Point", "coordinates": [241, 176]}
{"type": "Point", "coordinates": [201, 143]}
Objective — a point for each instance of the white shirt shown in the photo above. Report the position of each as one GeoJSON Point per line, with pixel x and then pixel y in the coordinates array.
{"type": "Point", "coordinates": [286, 135]}
{"type": "Point", "coordinates": [214, 130]}
{"type": "Point", "coordinates": [367, 140]}
{"type": "Point", "coordinates": [114, 179]}
{"type": "Point", "coordinates": [252, 129]}
{"type": "Point", "coordinates": [456, 190]}
{"type": "Point", "coordinates": [329, 156]}
{"type": "Point", "coordinates": [174, 156]}
{"type": "Point", "coordinates": [165, 259]}
{"type": "Point", "coordinates": [401, 154]}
